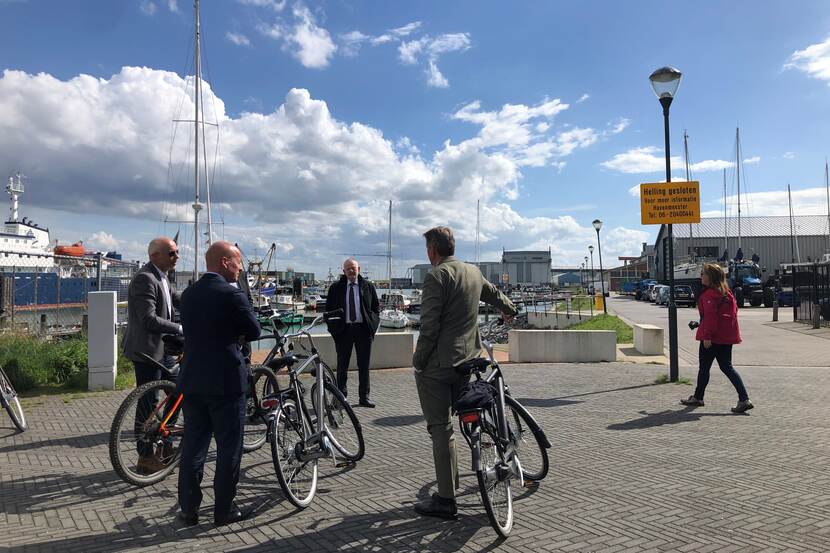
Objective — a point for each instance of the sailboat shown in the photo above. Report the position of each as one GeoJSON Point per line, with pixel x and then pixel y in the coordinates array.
{"type": "Point", "coordinates": [392, 316]}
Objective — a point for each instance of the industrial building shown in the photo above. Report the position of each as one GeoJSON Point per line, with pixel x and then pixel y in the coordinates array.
{"type": "Point", "coordinates": [516, 268]}
{"type": "Point", "coordinates": [526, 268]}
{"type": "Point", "coordinates": [770, 237]}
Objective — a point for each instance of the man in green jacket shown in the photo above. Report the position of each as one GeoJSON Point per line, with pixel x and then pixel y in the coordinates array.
{"type": "Point", "coordinates": [448, 338]}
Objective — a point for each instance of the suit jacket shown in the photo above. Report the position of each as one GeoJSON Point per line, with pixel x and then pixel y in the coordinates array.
{"type": "Point", "coordinates": [369, 305]}
{"type": "Point", "coordinates": [214, 316]}
{"type": "Point", "coordinates": [449, 314]}
{"type": "Point", "coordinates": [147, 315]}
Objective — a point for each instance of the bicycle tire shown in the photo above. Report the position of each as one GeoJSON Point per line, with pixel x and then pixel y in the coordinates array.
{"type": "Point", "coordinates": [125, 441]}
{"type": "Point", "coordinates": [263, 383]}
{"type": "Point", "coordinates": [496, 494]}
{"type": "Point", "coordinates": [534, 467]}
{"type": "Point", "coordinates": [342, 423]}
{"type": "Point", "coordinates": [287, 433]}
{"type": "Point", "coordinates": [8, 396]}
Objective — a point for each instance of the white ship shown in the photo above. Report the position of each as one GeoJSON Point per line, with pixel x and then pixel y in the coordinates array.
{"type": "Point", "coordinates": [23, 243]}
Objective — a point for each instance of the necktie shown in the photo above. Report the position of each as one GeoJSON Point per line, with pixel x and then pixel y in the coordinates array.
{"type": "Point", "coordinates": [352, 304]}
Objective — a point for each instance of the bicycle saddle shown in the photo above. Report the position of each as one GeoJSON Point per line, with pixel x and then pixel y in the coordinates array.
{"type": "Point", "coordinates": [479, 364]}
{"type": "Point", "coordinates": [279, 362]}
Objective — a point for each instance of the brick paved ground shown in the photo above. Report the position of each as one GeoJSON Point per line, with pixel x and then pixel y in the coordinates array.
{"type": "Point", "coordinates": [631, 471]}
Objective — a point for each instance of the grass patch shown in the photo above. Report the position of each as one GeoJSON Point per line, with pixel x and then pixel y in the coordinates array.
{"type": "Point", "coordinates": [581, 304]}
{"type": "Point", "coordinates": [45, 367]}
{"type": "Point", "coordinates": [625, 335]}
{"type": "Point", "coordinates": [664, 379]}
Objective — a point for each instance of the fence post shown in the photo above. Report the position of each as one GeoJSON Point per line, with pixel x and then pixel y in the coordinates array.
{"type": "Point", "coordinates": [100, 277]}
{"type": "Point", "coordinates": [14, 291]}
{"type": "Point", "coordinates": [775, 310]}
{"type": "Point", "coordinates": [102, 340]}
{"type": "Point", "coordinates": [816, 315]}
{"type": "Point", "coordinates": [36, 275]}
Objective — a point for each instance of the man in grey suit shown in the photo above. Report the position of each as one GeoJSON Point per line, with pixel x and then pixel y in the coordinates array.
{"type": "Point", "coordinates": [448, 338]}
{"type": "Point", "coordinates": [149, 315]}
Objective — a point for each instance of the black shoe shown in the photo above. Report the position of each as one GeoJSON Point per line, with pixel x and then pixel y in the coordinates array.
{"type": "Point", "coordinates": [692, 401]}
{"type": "Point", "coordinates": [742, 407]}
{"type": "Point", "coordinates": [234, 515]}
{"type": "Point", "coordinates": [190, 519]}
{"type": "Point", "coordinates": [366, 403]}
{"type": "Point", "coordinates": [437, 506]}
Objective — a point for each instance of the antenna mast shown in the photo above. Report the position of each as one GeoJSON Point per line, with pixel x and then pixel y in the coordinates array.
{"type": "Point", "coordinates": [15, 189]}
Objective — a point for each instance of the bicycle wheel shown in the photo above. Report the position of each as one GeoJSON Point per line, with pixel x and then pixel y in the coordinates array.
{"type": "Point", "coordinates": [263, 383]}
{"type": "Point", "coordinates": [288, 434]}
{"type": "Point", "coordinates": [493, 481]}
{"type": "Point", "coordinates": [344, 428]}
{"type": "Point", "coordinates": [140, 451]}
{"type": "Point", "coordinates": [8, 396]}
{"type": "Point", "coordinates": [532, 453]}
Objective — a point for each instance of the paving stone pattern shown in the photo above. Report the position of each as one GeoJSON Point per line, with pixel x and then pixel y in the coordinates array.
{"type": "Point", "coordinates": [632, 470]}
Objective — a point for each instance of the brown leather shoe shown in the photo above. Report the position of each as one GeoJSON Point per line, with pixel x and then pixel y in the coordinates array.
{"type": "Point", "coordinates": [149, 464]}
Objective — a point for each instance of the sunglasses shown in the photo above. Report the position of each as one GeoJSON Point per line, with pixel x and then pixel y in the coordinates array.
{"type": "Point", "coordinates": [174, 253]}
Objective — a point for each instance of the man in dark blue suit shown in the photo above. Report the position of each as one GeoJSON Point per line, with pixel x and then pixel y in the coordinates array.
{"type": "Point", "coordinates": [217, 318]}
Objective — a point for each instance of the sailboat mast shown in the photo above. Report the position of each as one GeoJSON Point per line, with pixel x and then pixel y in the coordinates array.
{"type": "Point", "coordinates": [389, 249]}
{"type": "Point", "coordinates": [738, 173]}
{"type": "Point", "coordinates": [688, 172]}
{"type": "Point", "coordinates": [478, 228]}
{"type": "Point", "coordinates": [196, 95]}
{"type": "Point", "coordinates": [792, 229]}
{"type": "Point", "coordinates": [725, 229]}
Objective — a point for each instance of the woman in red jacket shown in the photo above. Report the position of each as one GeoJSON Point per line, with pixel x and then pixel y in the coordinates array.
{"type": "Point", "coordinates": [717, 333]}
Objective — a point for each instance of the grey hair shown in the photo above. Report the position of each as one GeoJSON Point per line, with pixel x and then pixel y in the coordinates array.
{"type": "Point", "coordinates": [351, 259]}
{"type": "Point", "coordinates": [156, 245]}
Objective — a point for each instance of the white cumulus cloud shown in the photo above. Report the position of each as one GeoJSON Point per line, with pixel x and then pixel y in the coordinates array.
{"type": "Point", "coordinates": [295, 174]}
{"type": "Point", "coordinates": [237, 38]}
{"type": "Point", "coordinates": [813, 60]}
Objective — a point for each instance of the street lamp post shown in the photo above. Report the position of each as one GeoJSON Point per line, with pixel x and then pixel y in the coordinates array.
{"type": "Point", "coordinates": [665, 81]}
{"type": "Point", "coordinates": [592, 287]}
{"type": "Point", "coordinates": [598, 225]}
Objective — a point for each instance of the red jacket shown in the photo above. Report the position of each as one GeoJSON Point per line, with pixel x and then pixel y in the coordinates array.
{"type": "Point", "coordinates": [718, 318]}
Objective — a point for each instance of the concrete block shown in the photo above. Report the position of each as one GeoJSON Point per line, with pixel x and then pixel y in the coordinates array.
{"type": "Point", "coordinates": [562, 346]}
{"type": "Point", "coordinates": [648, 339]}
{"type": "Point", "coordinates": [102, 340]}
{"type": "Point", "coordinates": [389, 349]}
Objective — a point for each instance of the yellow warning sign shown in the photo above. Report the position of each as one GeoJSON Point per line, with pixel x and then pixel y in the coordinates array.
{"type": "Point", "coordinates": [670, 202]}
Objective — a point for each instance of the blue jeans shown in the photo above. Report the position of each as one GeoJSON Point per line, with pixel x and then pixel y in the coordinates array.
{"type": "Point", "coordinates": [723, 353]}
{"type": "Point", "coordinates": [144, 373]}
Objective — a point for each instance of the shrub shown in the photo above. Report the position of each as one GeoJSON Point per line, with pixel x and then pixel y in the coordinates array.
{"type": "Point", "coordinates": [31, 362]}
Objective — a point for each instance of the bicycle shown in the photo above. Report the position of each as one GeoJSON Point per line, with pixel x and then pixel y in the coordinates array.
{"type": "Point", "coordinates": [496, 432]}
{"type": "Point", "coordinates": [298, 440]}
{"type": "Point", "coordinates": [151, 421]}
{"type": "Point", "coordinates": [8, 397]}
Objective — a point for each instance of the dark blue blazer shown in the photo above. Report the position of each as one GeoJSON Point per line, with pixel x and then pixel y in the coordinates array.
{"type": "Point", "coordinates": [214, 315]}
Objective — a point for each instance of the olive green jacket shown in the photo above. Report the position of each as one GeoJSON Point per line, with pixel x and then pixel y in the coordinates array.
{"type": "Point", "coordinates": [449, 314]}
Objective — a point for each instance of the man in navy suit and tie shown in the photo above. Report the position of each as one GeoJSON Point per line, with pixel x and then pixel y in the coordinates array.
{"type": "Point", "coordinates": [358, 299]}
{"type": "Point", "coordinates": [217, 318]}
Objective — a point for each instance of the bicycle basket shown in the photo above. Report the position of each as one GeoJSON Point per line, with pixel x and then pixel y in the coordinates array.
{"type": "Point", "coordinates": [477, 394]}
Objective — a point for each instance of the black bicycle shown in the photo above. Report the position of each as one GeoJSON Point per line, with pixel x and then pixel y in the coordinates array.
{"type": "Point", "coordinates": [300, 436]}
{"type": "Point", "coordinates": [148, 428]}
{"type": "Point", "coordinates": [10, 401]}
{"type": "Point", "coordinates": [498, 430]}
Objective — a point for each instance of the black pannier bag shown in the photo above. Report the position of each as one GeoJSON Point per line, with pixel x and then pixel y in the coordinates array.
{"type": "Point", "coordinates": [477, 394]}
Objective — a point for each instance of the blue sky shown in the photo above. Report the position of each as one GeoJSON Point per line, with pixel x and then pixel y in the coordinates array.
{"type": "Point", "coordinates": [327, 110]}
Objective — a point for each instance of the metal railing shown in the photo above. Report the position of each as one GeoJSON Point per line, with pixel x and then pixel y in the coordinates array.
{"type": "Point", "coordinates": [49, 296]}
{"type": "Point", "coordinates": [810, 292]}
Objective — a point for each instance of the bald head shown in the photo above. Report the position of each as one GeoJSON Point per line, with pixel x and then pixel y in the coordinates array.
{"type": "Point", "coordinates": [224, 258]}
{"type": "Point", "coordinates": [163, 253]}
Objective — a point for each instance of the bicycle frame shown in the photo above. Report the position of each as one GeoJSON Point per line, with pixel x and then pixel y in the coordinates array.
{"type": "Point", "coordinates": [321, 438]}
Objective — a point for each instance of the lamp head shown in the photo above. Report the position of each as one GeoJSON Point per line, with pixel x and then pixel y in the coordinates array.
{"type": "Point", "coordinates": [597, 224]}
{"type": "Point", "coordinates": [665, 81]}
{"type": "Point", "coordinates": [591, 249]}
